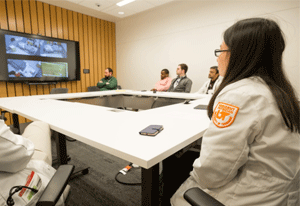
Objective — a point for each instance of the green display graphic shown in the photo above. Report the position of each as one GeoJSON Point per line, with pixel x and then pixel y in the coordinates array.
{"type": "Point", "coordinates": [58, 69]}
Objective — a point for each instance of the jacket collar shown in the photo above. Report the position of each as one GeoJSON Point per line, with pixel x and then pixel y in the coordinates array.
{"type": "Point", "coordinates": [181, 77]}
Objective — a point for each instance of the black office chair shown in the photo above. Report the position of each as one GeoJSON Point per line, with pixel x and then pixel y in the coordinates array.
{"type": "Point", "coordinates": [59, 90]}
{"type": "Point", "coordinates": [197, 197]}
{"type": "Point", "coordinates": [56, 186]}
{"type": "Point", "coordinates": [93, 89]}
{"type": "Point", "coordinates": [12, 128]}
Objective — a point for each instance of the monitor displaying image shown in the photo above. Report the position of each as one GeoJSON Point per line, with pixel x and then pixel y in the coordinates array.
{"type": "Point", "coordinates": [30, 69]}
{"type": "Point", "coordinates": [35, 47]}
{"type": "Point", "coordinates": [36, 59]}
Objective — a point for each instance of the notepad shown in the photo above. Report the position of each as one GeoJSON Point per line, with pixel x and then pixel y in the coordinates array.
{"type": "Point", "coordinates": [151, 130]}
{"type": "Point", "coordinates": [201, 106]}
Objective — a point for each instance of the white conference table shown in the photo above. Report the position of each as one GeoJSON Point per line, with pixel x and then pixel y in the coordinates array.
{"type": "Point", "coordinates": [117, 131]}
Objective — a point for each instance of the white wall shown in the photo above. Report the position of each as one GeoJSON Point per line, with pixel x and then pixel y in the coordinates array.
{"type": "Point", "coordinates": [189, 32]}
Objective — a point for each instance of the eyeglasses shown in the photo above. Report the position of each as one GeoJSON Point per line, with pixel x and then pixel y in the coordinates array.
{"type": "Point", "coordinates": [218, 52]}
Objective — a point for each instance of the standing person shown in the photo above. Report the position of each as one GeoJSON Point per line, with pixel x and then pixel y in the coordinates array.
{"type": "Point", "coordinates": [181, 83]}
{"type": "Point", "coordinates": [164, 83]}
{"type": "Point", "coordinates": [250, 153]}
{"type": "Point", "coordinates": [108, 82]}
{"type": "Point", "coordinates": [22, 157]}
{"type": "Point", "coordinates": [211, 85]}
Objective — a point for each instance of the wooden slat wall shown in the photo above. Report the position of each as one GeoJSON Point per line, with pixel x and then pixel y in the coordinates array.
{"type": "Point", "coordinates": [96, 40]}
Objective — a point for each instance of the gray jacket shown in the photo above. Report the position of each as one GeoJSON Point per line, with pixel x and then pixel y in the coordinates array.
{"type": "Point", "coordinates": [184, 85]}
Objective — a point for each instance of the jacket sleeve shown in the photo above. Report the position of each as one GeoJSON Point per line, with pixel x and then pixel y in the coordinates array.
{"type": "Point", "coordinates": [225, 150]}
{"type": "Point", "coordinates": [100, 85]}
{"type": "Point", "coordinates": [171, 85]}
{"type": "Point", "coordinates": [218, 83]}
{"type": "Point", "coordinates": [188, 86]}
{"type": "Point", "coordinates": [15, 150]}
{"type": "Point", "coordinates": [113, 83]}
{"type": "Point", "coordinates": [203, 89]}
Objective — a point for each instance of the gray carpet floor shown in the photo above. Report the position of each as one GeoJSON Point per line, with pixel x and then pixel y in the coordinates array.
{"type": "Point", "coordinates": [99, 186]}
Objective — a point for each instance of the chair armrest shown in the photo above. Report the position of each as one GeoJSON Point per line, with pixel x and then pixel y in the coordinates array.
{"type": "Point", "coordinates": [3, 115]}
{"type": "Point", "coordinates": [56, 186]}
{"type": "Point", "coordinates": [197, 197]}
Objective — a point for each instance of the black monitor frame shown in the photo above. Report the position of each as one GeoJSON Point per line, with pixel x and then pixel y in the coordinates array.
{"type": "Point", "coordinates": [68, 58]}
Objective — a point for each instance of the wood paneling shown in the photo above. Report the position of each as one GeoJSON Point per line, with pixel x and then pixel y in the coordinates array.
{"type": "Point", "coordinates": [96, 40]}
{"type": "Point", "coordinates": [4, 25]}
{"type": "Point", "coordinates": [81, 48]}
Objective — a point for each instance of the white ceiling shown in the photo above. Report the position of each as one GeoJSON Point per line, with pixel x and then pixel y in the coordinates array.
{"type": "Point", "coordinates": [107, 9]}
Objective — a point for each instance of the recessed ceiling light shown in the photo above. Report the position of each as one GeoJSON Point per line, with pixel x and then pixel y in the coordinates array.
{"type": "Point", "coordinates": [124, 2]}
{"type": "Point", "coordinates": [121, 12]}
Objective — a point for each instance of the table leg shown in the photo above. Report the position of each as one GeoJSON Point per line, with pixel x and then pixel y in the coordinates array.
{"type": "Point", "coordinates": [16, 122]}
{"type": "Point", "coordinates": [62, 157]}
{"type": "Point", "coordinates": [61, 147]}
{"type": "Point", "coordinates": [150, 186]}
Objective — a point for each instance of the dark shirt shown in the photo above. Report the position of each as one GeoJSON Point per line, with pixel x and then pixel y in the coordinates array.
{"type": "Point", "coordinates": [211, 85]}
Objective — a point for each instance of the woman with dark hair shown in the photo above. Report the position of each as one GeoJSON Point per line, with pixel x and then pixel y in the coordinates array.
{"type": "Point", "coordinates": [250, 152]}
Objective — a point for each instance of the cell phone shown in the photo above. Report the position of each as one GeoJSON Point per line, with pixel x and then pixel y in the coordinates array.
{"type": "Point", "coordinates": [151, 130]}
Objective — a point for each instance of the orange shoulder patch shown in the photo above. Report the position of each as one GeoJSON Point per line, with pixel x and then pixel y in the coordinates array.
{"type": "Point", "coordinates": [224, 114]}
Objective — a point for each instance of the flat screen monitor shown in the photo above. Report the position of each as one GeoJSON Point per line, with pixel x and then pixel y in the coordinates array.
{"type": "Point", "coordinates": [37, 59]}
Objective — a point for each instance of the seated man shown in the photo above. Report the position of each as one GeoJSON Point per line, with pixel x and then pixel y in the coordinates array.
{"type": "Point", "coordinates": [108, 82]}
{"type": "Point", "coordinates": [211, 85]}
{"type": "Point", "coordinates": [181, 83]}
{"type": "Point", "coordinates": [22, 157]}
{"type": "Point", "coordinates": [164, 83]}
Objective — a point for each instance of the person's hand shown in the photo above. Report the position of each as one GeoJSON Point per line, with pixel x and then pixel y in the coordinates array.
{"type": "Point", "coordinates": [107, 82]}
{"type": "Point", "coordinates": [100, 82]}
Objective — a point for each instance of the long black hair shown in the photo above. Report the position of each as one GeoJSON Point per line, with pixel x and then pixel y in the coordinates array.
{"type": "Point", "coordinates": [256, 46]}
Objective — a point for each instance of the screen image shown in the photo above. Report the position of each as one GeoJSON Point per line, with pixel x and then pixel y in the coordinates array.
{"type": "Point", "coordinates": [53, 49]}
{"type": "Point", "coordinates": [29, 69]}
{"type": "Point", "coordinates": [23, 68]}
{"type": "Point", "coordinates": [36, 47]}
{"type": "Point", "coordinates": [57, 69]}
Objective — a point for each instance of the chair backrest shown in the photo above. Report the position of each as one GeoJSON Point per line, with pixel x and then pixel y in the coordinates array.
{"type": "Point", "coordinates": [59, 90]}
{"type": "Point", "coordinates": [93, 89]}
